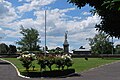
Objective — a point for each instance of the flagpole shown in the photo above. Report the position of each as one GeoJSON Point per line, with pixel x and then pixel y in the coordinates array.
{"type": "Point", "coordinates": [45, 32]}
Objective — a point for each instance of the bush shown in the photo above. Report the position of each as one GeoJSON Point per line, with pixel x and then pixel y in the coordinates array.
{"type": "Point", "coordinates": [26, 60]}
{"type": "Point", "coordinates": [46, 61]}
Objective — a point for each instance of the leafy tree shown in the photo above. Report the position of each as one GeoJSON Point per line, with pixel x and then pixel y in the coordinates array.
{"type": "Point", "coordinates": [12, 49]}
{"type": "Point", "coordinates": [112, 4]}
{"type": "Point", "coordinates": [100, 44]}
{"type": "Point", "coordinates": [57, 50]}
{"type": "Point", "coordinates": [30, 39]}
{"type": "Point", "coordinates": [3, 48]}
{"type": "Point", "coordinates": [110, 17]}
{"type": "Point", "coordinates": [117, 49]}
{"type": "Point", "coordinates": [26, 60]}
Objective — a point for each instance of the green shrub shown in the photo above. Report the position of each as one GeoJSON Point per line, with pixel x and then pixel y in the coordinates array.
{"type": "Point", "coordinates": [46, 61]}
{"type": "Point", "coordinates": [26, 60]}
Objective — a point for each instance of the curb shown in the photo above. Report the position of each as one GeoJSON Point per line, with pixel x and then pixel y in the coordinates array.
{"type": "Point", "coordinates": [18, 73]}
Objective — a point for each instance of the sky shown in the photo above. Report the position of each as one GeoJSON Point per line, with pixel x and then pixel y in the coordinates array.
{"type": "Point", "coordinates": [60, 17]}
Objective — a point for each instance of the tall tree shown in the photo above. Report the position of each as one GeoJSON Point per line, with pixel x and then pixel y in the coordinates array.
{"type": "Point", "coordinates": [30, 39]}
{"type": "Point", "coordinates": [3, 48]}
{"type": "Point", "coordinates": [110, 17]}
{"type": "Point", "coordinates": [12, 49]}
{"type": "Point", "coordinates": [112, 4]}
{"type": "Point", "coordinates": [100, 44]}
{"type": "Point", "coordinates": [117, 49]}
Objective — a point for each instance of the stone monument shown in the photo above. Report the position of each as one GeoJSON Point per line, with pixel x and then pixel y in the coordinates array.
{"type": "Point", "coordinates": [66, 45]}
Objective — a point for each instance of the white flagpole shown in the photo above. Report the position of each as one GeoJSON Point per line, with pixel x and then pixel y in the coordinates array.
{"type": "Point", "coordinates": [45, 32]}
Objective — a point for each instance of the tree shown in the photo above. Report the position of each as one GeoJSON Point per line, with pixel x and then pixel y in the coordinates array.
{"type": "Point", "coordinates": [30, 39]}
{"type": "Point", "coordinates": [117, 49]}
{"type": "Point", "coordinates": [57, 50]}
{"type": "Point", "coordinates": [100, 44]}
{"type": "Point", "coordinates": [3, 48]}
{"type": "Point", "coordinates": [110, 17]}
{"type": "Point", "coordinates": [112, 4]}
{"type": "Point", "coordinates": [12, 49]}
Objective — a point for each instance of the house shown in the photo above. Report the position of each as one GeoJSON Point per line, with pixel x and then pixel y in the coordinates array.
{"type": "Point", "coordinates": [82, 51]}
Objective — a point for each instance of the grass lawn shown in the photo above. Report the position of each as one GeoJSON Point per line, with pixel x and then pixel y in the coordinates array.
{"type": "Point", "coordinates": [80, 64]}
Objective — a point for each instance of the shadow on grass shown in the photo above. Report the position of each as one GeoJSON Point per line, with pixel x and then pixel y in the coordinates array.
{"type": "Point", "coordinates": [54, 73]}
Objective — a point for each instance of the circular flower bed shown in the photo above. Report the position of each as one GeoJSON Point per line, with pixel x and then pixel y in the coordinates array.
{"type": "Point", "coordinates": [60, 61]}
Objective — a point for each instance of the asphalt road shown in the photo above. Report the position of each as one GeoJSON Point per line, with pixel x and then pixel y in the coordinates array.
{"type": "Point", "coordinates": [107, 72]}
{"type": "Point", "coordinates": [8, 72]}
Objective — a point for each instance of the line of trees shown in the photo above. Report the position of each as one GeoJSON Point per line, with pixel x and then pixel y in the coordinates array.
{"type": "Point", "coordinates": [5, 49]}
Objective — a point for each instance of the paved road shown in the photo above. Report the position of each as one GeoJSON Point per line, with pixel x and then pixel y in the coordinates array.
{"type": "Point", "coordinates": [8, 72]}
{"type": "Point", "coordinates": [108, 72]}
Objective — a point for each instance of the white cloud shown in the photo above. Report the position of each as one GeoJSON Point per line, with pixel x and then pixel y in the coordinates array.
{"type": "Point", "coordinates": [20, 0]}
{"type": "Point", "coordinates": [86, 13]}
{"type": "Point", "coordinates": [78, 30]}
{"type": "Point", "coordinates": [57, 23]}
{"type": "Point", "coordinates": [12, 34]}
{"type": "Point", "coordinates": [7, 12]}
{"type": "Point", "coordinates": [34, 5]}
{"type": "Point", "coordinates": [8, 42]}
{"type": "Point", "coordinates": [2, 34]}
{"type": "Point", "coordinates": [116, 41]}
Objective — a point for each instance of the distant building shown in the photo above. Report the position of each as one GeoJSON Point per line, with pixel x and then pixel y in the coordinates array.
{"type": "Point", "coordinates": [82, 51]}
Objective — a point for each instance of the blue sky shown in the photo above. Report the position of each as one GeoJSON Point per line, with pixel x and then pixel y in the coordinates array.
{"type": "Point", "coordinates": [61, 17]}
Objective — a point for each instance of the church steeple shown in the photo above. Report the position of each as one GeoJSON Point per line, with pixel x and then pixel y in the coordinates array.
{"type": "Point", "coordinates": [66, 45]}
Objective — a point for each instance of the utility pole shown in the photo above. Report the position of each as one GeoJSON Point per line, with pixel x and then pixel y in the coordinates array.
{"type": "Point", "coordinates": [45, 32]}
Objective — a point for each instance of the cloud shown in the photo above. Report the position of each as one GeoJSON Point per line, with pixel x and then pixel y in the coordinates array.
{"type": "Point", "coordinates": [20, 0]}
{"type": "Point", "coordinates": [86, 13]}
{"type": "Point", "coordinates": [2, 34]}
{"type": "Point", "coordinates": [34, 5]}
{"type": "Point", "coordinates": [78, 30]}
{"type": "Point", "coordinates": [7, 12]}
{"type": "Point", "coordinates": [57, 23]}
{"type": "Point", "coordinates": [8, 42]}
{"type": "Point", "coordinates": [55, 20]}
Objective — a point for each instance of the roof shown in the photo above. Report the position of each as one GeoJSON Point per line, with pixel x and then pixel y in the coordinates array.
{"type": "Point", "coordinates": [82, 50]}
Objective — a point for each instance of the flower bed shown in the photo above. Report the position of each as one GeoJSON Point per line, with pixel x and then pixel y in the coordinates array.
{"type": "Point", "coordinates": [60, 61]}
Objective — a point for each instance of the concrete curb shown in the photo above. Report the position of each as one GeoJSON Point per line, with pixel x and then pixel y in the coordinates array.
{"type": "Point", "coordinates": [18, 73]}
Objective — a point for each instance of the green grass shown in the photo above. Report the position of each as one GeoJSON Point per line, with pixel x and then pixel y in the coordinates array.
{"type": "Point", "coordinates": [80, 64]}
